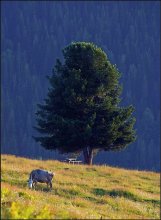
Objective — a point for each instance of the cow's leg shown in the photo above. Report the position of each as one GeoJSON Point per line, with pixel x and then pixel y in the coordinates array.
{"type": "Point", "coordinates": [50, 184]}
{"type": "Point", "coordinates": [34, 184]}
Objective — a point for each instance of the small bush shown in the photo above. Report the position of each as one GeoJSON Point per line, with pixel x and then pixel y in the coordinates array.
{"type": "Point", "coordinates": [4, 193]}
{"type": "Point", "coordinates": [19, 211]}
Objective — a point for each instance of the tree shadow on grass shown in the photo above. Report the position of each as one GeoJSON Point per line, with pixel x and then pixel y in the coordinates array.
{"type": "Point", "coordinates": [42, 188]}
{"type": "Point", "coordinates": [123, 193]}
{"type": "Point", "coordinates": [116, 193]}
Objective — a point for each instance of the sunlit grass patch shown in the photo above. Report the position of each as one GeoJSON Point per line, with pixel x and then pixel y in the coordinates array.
{"type": "Point", "coordinates": [81, 202]}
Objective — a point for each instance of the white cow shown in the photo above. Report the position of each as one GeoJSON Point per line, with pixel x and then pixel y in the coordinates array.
{"type": "Point", "coordinates": [41, 176]}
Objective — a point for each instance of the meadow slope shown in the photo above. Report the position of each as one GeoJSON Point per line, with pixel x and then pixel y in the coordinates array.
{"type": "Point", "coordinates": [79, 192]}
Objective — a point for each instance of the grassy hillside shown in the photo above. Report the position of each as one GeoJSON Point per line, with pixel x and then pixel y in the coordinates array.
{"type": "Point", "coordinates": [79, 191]}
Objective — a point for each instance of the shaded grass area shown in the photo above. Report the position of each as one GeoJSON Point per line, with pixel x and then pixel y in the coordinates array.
{"type": "Point", "coordinates": [79, 192]}
{"type": "Point", "coordinates": [123, 193]}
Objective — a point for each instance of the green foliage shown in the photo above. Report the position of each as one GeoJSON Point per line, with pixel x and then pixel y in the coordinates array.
{"type": "Point", "coordinates": [19, 211]}
{"type": "Point", "coordinates": [81, 108]}
{"type": "Point", "coordinates": [4, 193]}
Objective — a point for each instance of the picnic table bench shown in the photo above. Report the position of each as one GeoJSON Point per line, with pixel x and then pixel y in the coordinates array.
{"type": "Point", "coordinates": [72, 160]}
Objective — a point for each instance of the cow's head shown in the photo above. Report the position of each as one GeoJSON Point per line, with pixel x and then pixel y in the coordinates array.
{"type": "Point", "coordinates": [30, 182]}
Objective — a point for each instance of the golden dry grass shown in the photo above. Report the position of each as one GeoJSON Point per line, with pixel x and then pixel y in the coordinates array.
{"type": "Point", "coordinates": [79, 192]}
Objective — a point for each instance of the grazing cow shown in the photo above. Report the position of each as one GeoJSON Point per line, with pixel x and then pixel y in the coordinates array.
{"type": "Point", "coordinates": [41, 176]}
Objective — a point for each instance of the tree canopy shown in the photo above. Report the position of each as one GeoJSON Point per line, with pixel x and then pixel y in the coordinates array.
{"type": "Point", "coordinates": [81, 112]}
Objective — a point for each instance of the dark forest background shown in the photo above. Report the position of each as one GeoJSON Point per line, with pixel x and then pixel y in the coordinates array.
{"type": "Point", "coordinates": [32, 37]}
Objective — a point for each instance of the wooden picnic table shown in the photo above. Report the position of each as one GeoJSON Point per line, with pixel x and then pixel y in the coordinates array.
{"type": "Point", "coordinates": [76, 161]}
{"type": "Point", "coordinates": [72, 160]}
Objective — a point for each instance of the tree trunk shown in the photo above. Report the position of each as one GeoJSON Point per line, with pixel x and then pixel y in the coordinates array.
{"type": "Point", "coordinates": [88, 155]}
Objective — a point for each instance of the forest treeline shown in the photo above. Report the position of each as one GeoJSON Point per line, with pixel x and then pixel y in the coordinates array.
{"type": "Point", "coordinates": [32, 37]}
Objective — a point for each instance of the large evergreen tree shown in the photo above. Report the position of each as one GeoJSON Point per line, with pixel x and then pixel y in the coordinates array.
{"type": "Point", "coordinates": [81, 112]}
